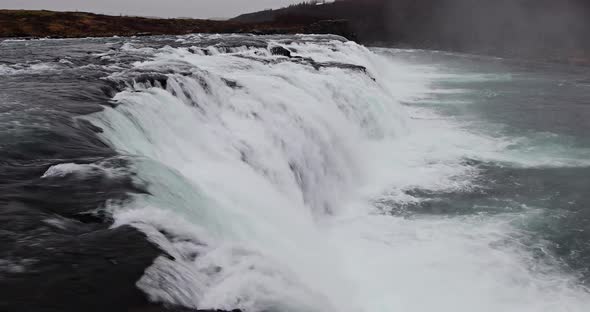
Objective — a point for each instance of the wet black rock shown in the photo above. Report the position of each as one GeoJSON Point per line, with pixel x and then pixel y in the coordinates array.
{"type": "Point", "coordinates": [278, 50]}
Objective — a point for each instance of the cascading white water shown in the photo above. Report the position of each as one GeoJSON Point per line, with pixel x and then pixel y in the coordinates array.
{"type": "Point", "coordinates": [262, 170]}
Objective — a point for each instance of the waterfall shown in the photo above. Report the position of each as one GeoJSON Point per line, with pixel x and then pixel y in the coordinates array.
{"type": "Point", "coordinates": [263, 172]}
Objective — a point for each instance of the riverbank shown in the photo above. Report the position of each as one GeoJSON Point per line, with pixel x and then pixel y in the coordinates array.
{"type": "Point", "coordinates": [50, 24]}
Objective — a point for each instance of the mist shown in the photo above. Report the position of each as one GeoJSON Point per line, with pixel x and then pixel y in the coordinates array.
{"type": "Point", "coordinates": [512, 26]}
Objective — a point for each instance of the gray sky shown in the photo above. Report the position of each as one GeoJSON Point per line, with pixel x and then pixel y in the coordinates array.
{"type": "Point", "coordinates": [162, 8]}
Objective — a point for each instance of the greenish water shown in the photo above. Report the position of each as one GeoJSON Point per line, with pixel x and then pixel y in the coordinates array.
{"type": "Point", "coordinates": [543, 179]}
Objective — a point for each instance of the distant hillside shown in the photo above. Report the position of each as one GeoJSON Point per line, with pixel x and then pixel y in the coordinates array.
{"type": "Point", "coordinates": [543, 28]}
{"type": "Point", "coordinates": [24, 23]}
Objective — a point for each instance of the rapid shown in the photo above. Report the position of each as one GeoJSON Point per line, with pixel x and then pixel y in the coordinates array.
{"type": "Point", "coordinates": [335, 177]}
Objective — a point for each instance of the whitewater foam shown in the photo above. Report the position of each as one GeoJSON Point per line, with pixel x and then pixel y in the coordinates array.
{"type": "Point", "coordinates": [19, 69]}
{"type": "Point", "coordinates": [261, 189]}
{"type": "Point", "coordinates": [99, 168]}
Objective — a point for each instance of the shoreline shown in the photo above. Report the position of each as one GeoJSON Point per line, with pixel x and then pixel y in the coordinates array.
{"type": "Point", "coordinates": [26, 24]}
{"type": "Point", "coordinates": [42, 24]}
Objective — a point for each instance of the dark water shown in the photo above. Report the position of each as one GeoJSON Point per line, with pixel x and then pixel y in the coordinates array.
{"type": "Point", "coordinates": [57, 252]}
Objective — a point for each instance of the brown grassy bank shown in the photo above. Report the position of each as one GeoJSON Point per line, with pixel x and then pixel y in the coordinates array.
{"type": "Point", "coordinates": [36, 24]}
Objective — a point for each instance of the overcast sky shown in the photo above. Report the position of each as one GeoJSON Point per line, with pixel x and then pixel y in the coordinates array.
{"type": "Point", "coordinates": [162, 8]}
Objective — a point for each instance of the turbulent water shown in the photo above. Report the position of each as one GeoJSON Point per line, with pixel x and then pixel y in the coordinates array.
{"type": "Point", "coordinates": [339, 178]}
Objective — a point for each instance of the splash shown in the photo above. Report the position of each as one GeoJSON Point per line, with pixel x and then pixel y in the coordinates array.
{"type": "Point", "coordinates": [263, 169]}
